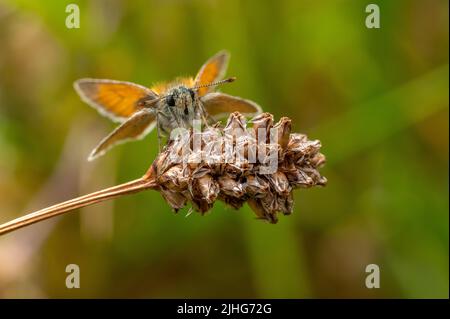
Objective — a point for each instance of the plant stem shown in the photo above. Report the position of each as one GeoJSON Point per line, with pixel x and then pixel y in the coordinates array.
{"type": "Point", "coordinates": [138, 185]}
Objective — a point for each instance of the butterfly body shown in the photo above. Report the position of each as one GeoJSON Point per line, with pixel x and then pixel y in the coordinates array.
{"type": "Point", "coordinates": [165, 106]}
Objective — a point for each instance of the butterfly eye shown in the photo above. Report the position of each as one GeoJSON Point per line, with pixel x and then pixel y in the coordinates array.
{"type": "Point", "coordinates": [170, 100]}
{"type": "Point", "coordinates": [191, 92]}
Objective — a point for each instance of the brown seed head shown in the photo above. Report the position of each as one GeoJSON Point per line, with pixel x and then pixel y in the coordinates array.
{"type": "Point", "coordinates": [228, 166]}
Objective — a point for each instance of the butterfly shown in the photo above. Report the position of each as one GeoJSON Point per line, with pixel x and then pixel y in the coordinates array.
{"type": "Point", "coordinates": [165, 106]}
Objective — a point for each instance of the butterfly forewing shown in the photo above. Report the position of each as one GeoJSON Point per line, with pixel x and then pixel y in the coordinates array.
{"type": "Point", "coordinates": [115, 99]}
{"type": "Point", "coordinates": [213, 70]}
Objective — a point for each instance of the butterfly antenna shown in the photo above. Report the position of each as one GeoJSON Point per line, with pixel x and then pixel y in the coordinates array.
{"type": "Point", "coordinates": [228, 80]}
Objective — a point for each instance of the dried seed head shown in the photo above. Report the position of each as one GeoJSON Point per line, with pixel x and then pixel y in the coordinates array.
{"type": "Point", "coordinates": [204, 191]}
{"type": "Point", "coordinates": [279, 183]}
{"type": "Point", "coordinates": [175, 199]}
{"type": "Point", "coordinates": [236, 164]}
{"type": "Point", "coordinates": [236, 125]}
{"type": "Point", "coordinates": [256, 186]}
{"type": "Point", "coordinates": [282, 131]}
{"type": "Point", "coordinates": [230, 187]}
{"type": "Point", "coordinates": [262, 124]}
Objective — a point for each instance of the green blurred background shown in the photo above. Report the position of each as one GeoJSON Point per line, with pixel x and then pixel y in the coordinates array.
{"type": "Point", "coordinates": [376, 98]}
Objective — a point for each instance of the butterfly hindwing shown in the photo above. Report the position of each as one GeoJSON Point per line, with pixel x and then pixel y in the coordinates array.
{"type": "Point", "coordinates": [136, 127]}
{"type": "Point", "coordinates": [219, 105]}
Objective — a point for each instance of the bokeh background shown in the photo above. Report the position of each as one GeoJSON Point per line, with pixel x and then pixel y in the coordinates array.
{"type": "Point", "coordinates": [376, 98]}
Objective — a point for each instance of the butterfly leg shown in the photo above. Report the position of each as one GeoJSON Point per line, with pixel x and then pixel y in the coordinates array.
{"type": "Point", "coordinates": [206, 118]}
{"type": "Point", "coordinates": [158, 133]}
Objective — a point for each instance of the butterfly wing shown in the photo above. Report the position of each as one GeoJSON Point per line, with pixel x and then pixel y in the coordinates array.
{"type": "Point", "coordinates": [213, 70]}
{"type": "Point", "coordinates": [162, 87]}
{"type": "Point", "coordinates": [134, 128]}
{"type": "Point", "coordinates": [116, 100]}
{"type": "Point", "coordinates": [219, 105]}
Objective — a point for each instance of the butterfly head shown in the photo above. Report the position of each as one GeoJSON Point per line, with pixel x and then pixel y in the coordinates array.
{"type": "Point", "coordinates": [183, 97]}
{"type": "Point", "coordinates": [180, 97]}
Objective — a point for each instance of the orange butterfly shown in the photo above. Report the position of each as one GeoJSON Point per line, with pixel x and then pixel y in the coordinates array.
{"type": "Point", "coordinates": [165, 106]}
